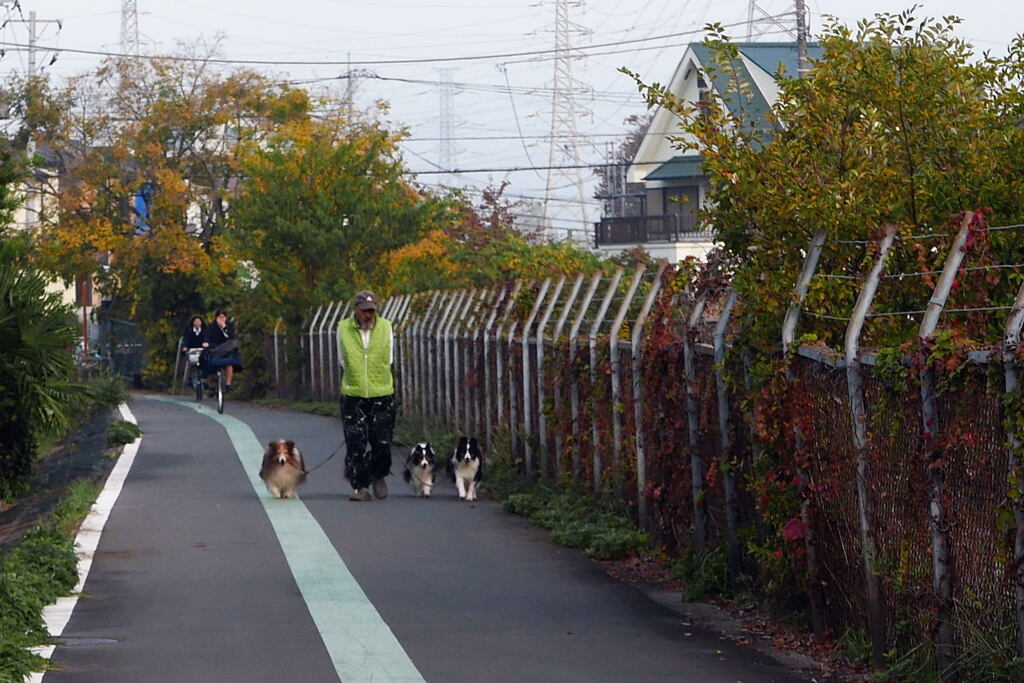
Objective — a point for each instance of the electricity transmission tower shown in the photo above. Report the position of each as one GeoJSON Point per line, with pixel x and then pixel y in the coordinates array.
{"type": "Point", "coordinates": [129, 27]}
{"type": "Point", "coordinates": [447, 122]}
{"type": "Point", "coordinates": [759, 22]}
{"type": "Point", "coordinates": [566, 145]}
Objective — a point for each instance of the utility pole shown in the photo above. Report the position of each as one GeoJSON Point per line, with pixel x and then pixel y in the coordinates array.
{"type": "Point", "coordinates": [803, 66]}
{"type": "Point", "coordinates": [32, 198]}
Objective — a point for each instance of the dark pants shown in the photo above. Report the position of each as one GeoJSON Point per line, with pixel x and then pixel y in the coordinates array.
{"type": "Point", "coordinates": [367, 421]}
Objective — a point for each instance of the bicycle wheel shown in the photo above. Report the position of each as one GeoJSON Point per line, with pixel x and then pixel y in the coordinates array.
{"type": "Point", "coordinates": [220, 390]}
{"type": "Point", "coordinates": [197, 384]}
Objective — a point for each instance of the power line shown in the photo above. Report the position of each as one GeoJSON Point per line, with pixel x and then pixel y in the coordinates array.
{"type": "Point", "coordinates": [422, 60]}
{"type": "Point", "coordinates": [457, 171]}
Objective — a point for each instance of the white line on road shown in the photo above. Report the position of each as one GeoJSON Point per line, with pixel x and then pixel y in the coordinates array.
{"type": "Point", "coordinates": [361, 645]}
{"type": "Point", "coordinates": [56, 616]}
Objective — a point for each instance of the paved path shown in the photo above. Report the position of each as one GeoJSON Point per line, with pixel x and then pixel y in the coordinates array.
{"type": "Point", "coordinates": [200, 576]}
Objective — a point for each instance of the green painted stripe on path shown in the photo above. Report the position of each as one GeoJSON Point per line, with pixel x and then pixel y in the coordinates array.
{"type": "Point", "coordinates": [359, 642]}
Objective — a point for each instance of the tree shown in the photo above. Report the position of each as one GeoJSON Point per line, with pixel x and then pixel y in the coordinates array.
{"type": "Point", "coordinates": [324, 201]}
{"type": "Point", "coordinates": [149, 157]}
{"type": "Point", "coordinates": [482, 247]}
{"type": "Point", "coordinates": [896, 123]}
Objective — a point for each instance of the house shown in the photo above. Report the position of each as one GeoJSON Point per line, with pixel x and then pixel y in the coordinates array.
{"type": "Point", "coordinates": [670, 183]}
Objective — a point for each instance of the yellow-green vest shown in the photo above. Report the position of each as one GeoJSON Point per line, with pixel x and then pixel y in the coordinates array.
{"type": "Point", "coordinates": [367, 370]}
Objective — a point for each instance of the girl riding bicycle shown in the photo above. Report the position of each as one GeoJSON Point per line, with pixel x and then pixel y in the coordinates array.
{"type": "Point", "coordinates": [222, 348]}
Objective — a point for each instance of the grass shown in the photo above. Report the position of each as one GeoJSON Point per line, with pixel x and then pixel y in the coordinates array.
{"type": "Point", "coordinates": [121, 432]}
{"type": "Point", "coordinates": [40, 569]}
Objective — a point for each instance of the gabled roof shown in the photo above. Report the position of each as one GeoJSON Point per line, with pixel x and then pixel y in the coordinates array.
{"type": "Point", "coordinates": [683, 166]}
{"type": "Point", "coordinates": [759, 67]}
{"type": "Point", "coordinates": [773, 58]}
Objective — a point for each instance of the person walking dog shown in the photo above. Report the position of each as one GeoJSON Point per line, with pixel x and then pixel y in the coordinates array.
{"type": "Point", "coordinates": [366, 352]}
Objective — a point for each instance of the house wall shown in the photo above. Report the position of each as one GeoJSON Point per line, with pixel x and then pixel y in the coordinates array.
{"type": "Point", "coordinates": [673, 253]}
{"type": "Point", "coordinates": [655, 148]}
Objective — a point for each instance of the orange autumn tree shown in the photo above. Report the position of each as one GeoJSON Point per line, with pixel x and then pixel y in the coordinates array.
{"type": "Point", "coordinates": [148, 159]}
{"type": "Point", "coordinates": [483, 246]}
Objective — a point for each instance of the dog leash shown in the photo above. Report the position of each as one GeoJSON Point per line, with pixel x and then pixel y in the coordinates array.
{"type": "Point", "coordinates": [336, 451]}
{"type": "Point", "coordinates": [342, 445]}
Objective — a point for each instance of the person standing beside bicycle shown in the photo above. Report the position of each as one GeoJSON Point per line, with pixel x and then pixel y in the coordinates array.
{"type": "Point", "coordinates": [222, 347]}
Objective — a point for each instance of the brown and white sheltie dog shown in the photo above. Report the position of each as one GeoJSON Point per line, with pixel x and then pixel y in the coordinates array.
{"type": "Point", "coordinates": [466, 467]}
{"type": "Point", "coordinates": [283, 470]}
{"type": "Point", "coordinates": [419, 469]}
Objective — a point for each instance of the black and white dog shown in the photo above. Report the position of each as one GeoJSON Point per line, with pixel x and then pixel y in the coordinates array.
{"type": "Point", "coordinates": [466, 467]}
{"type": "Point", "coordinates": [419, 469]}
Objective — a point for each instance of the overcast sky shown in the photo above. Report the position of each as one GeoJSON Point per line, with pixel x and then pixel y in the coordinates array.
{"type": "Point", "coordinates": [500, 123]}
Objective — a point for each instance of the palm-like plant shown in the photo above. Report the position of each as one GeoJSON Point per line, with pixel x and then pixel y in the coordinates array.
{"type": "Point", "coordinates": [37, 333]}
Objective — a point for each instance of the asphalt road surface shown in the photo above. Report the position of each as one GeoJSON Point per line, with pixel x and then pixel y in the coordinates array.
{"type": "Point", "coordinates": [200, 576]}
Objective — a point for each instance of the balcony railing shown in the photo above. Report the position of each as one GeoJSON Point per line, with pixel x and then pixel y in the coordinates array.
{"type": "Point", "coordinates": [648, 229]}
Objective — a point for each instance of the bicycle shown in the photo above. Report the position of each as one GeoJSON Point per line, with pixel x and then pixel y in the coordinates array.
{"type": "Point", "coordinates": [195, 375]}
{"type": "Point", "coordinates": [220, 389]}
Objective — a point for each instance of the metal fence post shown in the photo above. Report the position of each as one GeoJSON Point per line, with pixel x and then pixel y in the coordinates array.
{"type": "Point", "coordinates": [479, 363]}
{"type": "Point", "coordinates": [332, 353]}
{"type": "Point", "coordinates": [312, 351]}
{"type": "Point", "coordinates": [527, 407]}
{"type": "Point", "coordinates": [555, 336]}
{"type": "Point", "coordinates": [459, 341]}
{"type": "Point", "coordinates": [725, 438]}
{"type": "Point", "coordinates": [700, 533]}
{"type": "Point", "coordinates": [502, 304]}
{"type": "Point", "coordinates": [942, 582]}
{"type": "Point", "coordinates": [595, 437]}
{"type": "Point", "coordinates": [422, 352]}
{"type": "Point", "coordinates": [1011, 383]}
{"type": "Point", "coordinates": [636, 341]}
{"type": "Point", "coordinates": [452, 388]}
{"type": "Point", "coordinates": [322, 390]}
{"type": "Point", "coordinates": [854, 384]}
{"type": "Point", "coordinates": [277, 359]}
{"type": "Point", "coordinates": [574, 392]}
{"type": "Point", "coordinates": [542, 421]}
{"type": "Point", "coordinates": [439, 363]}
{"type": "Point", "coordinates": [814, 580]}
{"type": "Point", "coordinates": [499, 365]}
{"type": "Point", "coordinates": [616, 378]}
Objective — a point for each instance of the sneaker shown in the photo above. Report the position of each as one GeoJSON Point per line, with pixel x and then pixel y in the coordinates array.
{"type": "Point", "coordinates": [361, 496]}
{"type": "Point", "coordinates": [380, 489]}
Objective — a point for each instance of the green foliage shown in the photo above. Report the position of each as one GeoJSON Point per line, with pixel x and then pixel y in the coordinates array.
{"type": "Point", "coordinates": [411, 430]}
{"type": "Point", "coordinates": [77, 502]}
{"type": "Point", "coordinates": [40, 569]}
{"type": "Point", "coordinates": [575, 520]}
{"type": "Point", "coordinates": [121, 432]}
{"type": "Point", "coordinates": [481, 246]}
{"type": "Point", "coordinates": [856, 645]}
{"type": "Point", "coordinates": [321, 206]}
{"type": "Point", "coordinates": [898, 122]}
{"type": "Point", "coordinates": [706, 573]}
{"type": "Point", "coordinates": [107, 392]}
{"type": "Point", "coordinates": [36, 391]}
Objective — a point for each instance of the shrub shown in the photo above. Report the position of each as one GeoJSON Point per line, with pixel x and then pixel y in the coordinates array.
{"type": "Point", "coordinates": [121, 432]}
{"type": "Point", "coordinates": [40, 569]}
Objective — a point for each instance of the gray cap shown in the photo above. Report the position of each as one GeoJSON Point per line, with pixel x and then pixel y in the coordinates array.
{"type": "Point", "coordinates": [366, 301]}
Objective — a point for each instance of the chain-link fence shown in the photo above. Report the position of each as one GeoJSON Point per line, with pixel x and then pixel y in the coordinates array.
{"type": "Point", "coordinates": [908, 497]}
